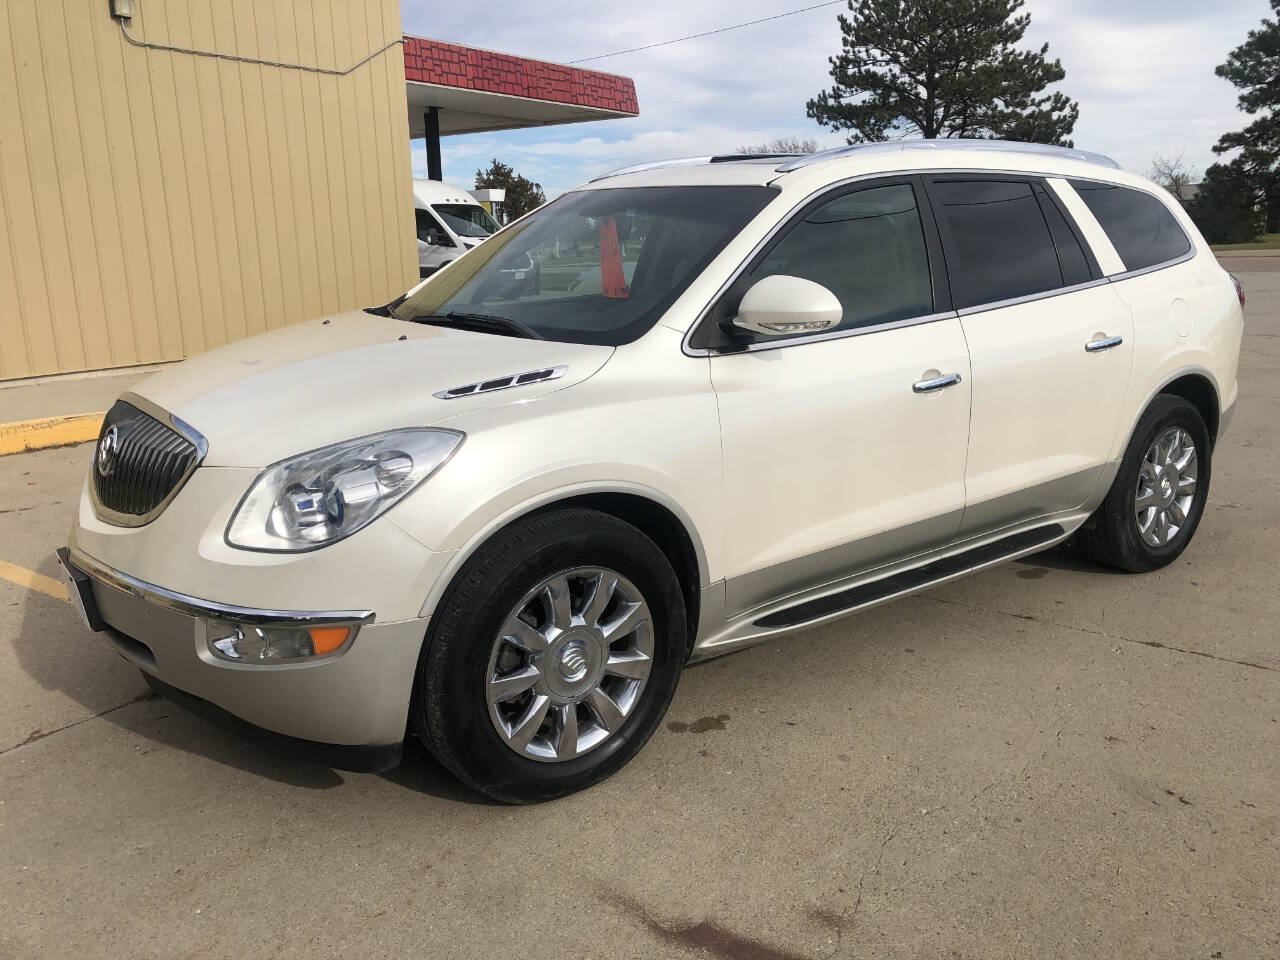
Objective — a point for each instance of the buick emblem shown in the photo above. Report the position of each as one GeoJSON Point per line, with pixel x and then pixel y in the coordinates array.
{"type": "Point", "coordinates": [573, 662]}
{"type": "Point", "coordinates": [108, 450]}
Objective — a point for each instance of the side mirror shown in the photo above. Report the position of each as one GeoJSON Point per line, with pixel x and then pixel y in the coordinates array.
{"type": "Point", "coordinates": [433, 237]}
{"type": "Point", "coordinates": [779, 305]}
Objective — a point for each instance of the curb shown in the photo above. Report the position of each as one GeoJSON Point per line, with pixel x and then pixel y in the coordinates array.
{"type": "Point", "coordinates": [26, 435]}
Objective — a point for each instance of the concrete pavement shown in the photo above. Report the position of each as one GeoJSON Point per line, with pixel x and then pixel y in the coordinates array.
{"type": "Point", "coordinates": [1045, 760]}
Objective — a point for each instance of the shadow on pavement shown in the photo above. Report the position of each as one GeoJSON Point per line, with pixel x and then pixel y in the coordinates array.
{"type": "Point", "coordinates": [1066, 557]}
{"type": "Point", "coordinates": [56, 651]}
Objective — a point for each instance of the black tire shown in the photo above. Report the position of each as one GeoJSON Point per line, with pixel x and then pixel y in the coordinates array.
{"type": "Point", "coordinates": [1111, 535]}
{"type": "Point", "coordinates": [450, 712]}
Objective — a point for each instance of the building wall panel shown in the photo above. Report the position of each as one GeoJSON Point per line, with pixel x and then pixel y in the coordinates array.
{"type": "Point", "coordinates": [155, 204]}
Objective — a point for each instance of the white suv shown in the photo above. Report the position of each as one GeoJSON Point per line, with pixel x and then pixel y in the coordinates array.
{"type": "Point", "coordinates": [504, 515]}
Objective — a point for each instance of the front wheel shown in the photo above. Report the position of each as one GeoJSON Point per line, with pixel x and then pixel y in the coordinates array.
{"type": "Point", "coordinates": [552, 657]}
{"type": "Point", "coordinates": [1155, 502]}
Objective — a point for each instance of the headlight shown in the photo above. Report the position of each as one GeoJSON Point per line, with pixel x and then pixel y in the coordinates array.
{"type": "Point", "coordinates": [320, 497]}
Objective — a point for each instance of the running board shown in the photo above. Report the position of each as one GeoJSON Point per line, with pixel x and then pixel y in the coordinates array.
{"type": "Point", "coordinates": [912, 579]}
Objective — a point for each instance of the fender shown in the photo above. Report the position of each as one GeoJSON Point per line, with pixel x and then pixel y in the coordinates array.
{"type": "Point", "coordinates": [1190, 369]}
{"type": "Point", "coordinates": [1113, 467]}
{"type": "Point", "coordinates": [461, 555]}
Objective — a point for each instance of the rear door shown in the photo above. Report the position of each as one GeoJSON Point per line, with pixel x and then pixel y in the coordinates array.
{"type": "Point", "coordinates": [1050, 343]}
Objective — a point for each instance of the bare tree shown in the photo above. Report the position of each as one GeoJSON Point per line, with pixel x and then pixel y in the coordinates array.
{"type": "Point", "coordinates": [783, 145]}
{"type": "Point", "coordinates": [1173, 174]}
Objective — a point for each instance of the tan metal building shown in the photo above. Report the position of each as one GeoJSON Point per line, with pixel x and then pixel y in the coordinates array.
{"type": "Point", "coordinates": [176, 175]}
{"type": "Point", "coordinates": [156, 204]}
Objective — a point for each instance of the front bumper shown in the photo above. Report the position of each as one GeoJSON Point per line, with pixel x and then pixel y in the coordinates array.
{"type": "Point", "coordinates": [357, 697]}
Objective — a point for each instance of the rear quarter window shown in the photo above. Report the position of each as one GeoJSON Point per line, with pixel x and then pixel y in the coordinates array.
{"type": "Point", "coordinates": [1141, 228]}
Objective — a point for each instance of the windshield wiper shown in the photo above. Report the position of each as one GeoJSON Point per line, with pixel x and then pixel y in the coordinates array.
{"type": "Point", "coordinates": [482, 323]}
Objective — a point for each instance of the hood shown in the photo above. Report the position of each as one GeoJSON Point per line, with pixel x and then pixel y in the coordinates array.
{"type": "Point", "coordinates": [470, 242]}
{"type": "Point", "coordinates": [312, 384]}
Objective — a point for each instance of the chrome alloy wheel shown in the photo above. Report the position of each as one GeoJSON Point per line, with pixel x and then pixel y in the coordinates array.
{"type": "Point", "coordinates": [570, 664]}
{"type": "Point", "coordinates": [1166, 487]}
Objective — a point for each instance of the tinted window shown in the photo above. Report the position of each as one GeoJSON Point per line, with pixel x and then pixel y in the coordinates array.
{"type": "Point", "coordinates": [1140, 227]}
{"type": "Point", "coordinates": [465, 219]}
{"type": "Point", "coordinates": [998, 243]}
{"type": "Point", "coordinates": [865, 247]}
{"type": "Point", "coordinates": [1071, 257]}
{"type": "Point", "coordinates": [426, 223]}
{"type": "Point", "coordinates": [594, 266]}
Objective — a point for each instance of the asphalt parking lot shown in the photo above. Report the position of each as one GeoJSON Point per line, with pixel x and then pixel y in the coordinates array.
{"type": "Point", "coordinates": [1045, 760]}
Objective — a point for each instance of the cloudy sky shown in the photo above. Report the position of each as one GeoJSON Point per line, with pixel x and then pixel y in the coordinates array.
{"type": "Point", "coordinates": [1142, 71]}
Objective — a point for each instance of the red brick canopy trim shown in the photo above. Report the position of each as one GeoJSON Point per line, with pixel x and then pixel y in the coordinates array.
{"type": "Point", "coordinates": [452, 65]}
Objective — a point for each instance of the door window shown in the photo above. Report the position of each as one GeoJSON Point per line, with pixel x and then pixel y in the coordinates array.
{"type": "Point", "coordinates": [866, 247]}
{"type": "Point", "coordinates": [1075, 265]}
{"type": "Point", "coordinates": [998, 242]}
{"type": "Point", "coordinates": [430, 231]}
{"type": "Point", "coordinates": [1139, 226]}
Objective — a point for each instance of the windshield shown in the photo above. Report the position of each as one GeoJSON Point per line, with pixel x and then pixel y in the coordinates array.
{"type": "Point", "coordinates": [594, 266]}
{"type": "Point", "coordinates": [466, 220]}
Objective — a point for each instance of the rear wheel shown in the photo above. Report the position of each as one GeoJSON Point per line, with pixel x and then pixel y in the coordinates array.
{"type": "Point", "coordinates": [552, 657]}
{"type": "Point", "coordinates": [1155, 502]}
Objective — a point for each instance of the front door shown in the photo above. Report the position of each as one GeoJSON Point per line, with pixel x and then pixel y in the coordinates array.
{"type": "Point", "coordinates": [844, 450]}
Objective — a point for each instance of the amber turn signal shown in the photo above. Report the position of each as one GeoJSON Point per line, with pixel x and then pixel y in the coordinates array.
{"type": "Point", "coordinates": [328, 639]}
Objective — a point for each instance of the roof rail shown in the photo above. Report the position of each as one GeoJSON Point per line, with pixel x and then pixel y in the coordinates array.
{"type": "Point", "coordinates": [652, 165]}
{"type": "Point", "coordinates": [993, 146]}
{"type": "Point", "coordinates": [694, 161]}
{"type": "Point", "coordinates": [742, 157]}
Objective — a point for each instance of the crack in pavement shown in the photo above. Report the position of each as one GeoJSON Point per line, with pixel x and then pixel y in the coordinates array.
{"type": "Point", "coordinates": [852, 912]}
{"type": "Point", "coordinates": [1057, 741]}
{"type": "Point", "coordinates": [1099, 633]}
{"type": "Point", "coordinates": [38, 734]}
{"type": "Point", "coordinates": [874, 871]}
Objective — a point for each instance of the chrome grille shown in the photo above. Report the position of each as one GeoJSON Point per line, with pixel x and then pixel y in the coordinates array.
{"type": "Point", "coordinates": [140, 463]}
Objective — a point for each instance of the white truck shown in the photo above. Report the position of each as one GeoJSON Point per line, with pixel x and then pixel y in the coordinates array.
{"type": "Point", "coordinates": [449, 222]}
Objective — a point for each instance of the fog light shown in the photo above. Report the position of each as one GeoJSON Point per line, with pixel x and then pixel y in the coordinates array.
{"type": "Point", "coordinates": [250, 643]}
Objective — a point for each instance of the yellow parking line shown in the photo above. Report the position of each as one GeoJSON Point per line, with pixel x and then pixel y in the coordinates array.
{"type": "Point", "coordinates": [50, 432]}
{"type": "Point", "coordinates": [33, 581]}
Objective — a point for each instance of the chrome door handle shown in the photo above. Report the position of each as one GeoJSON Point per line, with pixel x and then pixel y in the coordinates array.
{"type": "Point", "coordinates": [1106, 343]}
{"type": "Point", "coordinates": [936, 383]}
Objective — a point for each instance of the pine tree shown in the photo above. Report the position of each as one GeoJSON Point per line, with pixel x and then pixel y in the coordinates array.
{"type": "Point", "coordinates": [1254, 68]}
{"type": "Point", "coordinates": [942, 68]}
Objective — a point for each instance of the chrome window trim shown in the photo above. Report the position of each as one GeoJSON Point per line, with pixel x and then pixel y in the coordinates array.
{"type": "Point", "coordinates": [179, 426]}
{"type": "Point", "coordinates": [780, 342]}
{"type": "Point", "coordinates": [699, 352]}
{"type": "Point", "coordinates": [1129, 274]}
{"type": "Point", "coordinates": [196, 607]}
{"type": "Point", "coordinates": [1030, 297]}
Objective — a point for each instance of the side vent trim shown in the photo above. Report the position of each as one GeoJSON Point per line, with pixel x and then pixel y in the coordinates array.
{"type": "Point", "coordinates": [503, 383]}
